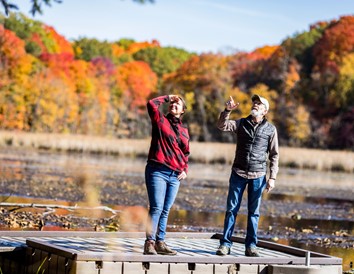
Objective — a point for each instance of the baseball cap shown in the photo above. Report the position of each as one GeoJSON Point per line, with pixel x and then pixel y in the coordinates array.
{"type": "Point", "coordinates": [263, 100]}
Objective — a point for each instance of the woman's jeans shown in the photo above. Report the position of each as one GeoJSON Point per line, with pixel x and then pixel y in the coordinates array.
{"type": "Point", "coordinates": [162, 187]}
{"type": "Point", "coordinates": [237, 186]}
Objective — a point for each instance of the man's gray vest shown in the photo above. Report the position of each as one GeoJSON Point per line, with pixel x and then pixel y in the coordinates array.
{"type": "Point", "coordinates": [252, 145]}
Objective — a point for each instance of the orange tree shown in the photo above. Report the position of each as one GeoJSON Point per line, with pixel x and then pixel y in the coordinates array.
{"type": "Point", "coordinates": [137, 82]}
{"type": "Point", "coordinates": [109, 94]}
{"type": "Point", "coordinates": [15, 68]}
{"type": "Point", "coordinates": [331, 52]}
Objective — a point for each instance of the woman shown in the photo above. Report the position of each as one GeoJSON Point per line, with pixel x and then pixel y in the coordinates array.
{"type": "Point", "coordinates": [167, 165]}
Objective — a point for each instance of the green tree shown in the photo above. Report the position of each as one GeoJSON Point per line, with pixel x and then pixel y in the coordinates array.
{"type": "Point", "coordinates": [163, 60]}
{"type": "Point", "coordinates": [300, 46]}
{"type": "Point", "coordinates": [125, 43]}
{"type": "Point", "coordinates": [38, 37]}
{"type": "Point", "coordinates": [88, 49]}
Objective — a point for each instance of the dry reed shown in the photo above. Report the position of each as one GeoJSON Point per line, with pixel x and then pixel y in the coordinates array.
{"type": "Point", "coordinates": [200, 152]}
{"type": "Point", "coordinates": [74, 143]}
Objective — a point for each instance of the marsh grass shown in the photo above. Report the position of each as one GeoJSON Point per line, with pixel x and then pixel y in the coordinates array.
{"type": "Point", "coordinates": [209, 153]}
{"type": "Point", "coordinates": [74, 143]}
{"type": "Point", "coordinates": [325, 160]}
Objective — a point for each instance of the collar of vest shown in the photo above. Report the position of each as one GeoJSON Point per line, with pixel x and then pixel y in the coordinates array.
{"type": "Point", "coordinates": [249, 118]}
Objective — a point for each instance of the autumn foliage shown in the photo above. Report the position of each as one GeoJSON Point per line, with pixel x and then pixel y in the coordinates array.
{"type": "Point", "coordinates": [137, 82]}
{"type": "Point", "coordinates": [337, 42]}
{"type": "Point", "coordinates": [87, 86]}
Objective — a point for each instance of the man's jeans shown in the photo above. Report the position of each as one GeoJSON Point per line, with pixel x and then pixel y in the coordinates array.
{"type": "Point", "coordinates": [237, 186]}
{"type": "Point", "coordinates": [162, 187]}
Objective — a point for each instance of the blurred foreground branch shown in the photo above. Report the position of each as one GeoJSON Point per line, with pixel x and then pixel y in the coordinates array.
{"type": "Point", "coordinates": [52, 206]}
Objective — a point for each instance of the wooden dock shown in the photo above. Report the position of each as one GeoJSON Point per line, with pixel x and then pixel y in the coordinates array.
{"type": "Point", "coordinates": [121, 253]}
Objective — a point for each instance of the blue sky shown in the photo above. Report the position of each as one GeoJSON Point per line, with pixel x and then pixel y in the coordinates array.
{"type": "Point", "coordinates": [194, 25]}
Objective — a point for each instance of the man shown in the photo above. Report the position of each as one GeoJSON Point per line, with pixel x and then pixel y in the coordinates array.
{"type": "Point", "coordinates": [256, 139]}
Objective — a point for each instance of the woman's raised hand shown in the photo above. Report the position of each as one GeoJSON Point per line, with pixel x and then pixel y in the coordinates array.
{"type": "Point", "coordinates": [173, 97]}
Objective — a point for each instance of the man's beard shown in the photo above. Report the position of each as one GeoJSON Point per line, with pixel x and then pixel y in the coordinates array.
{"type": "Point", "coordinates": [256, 113]}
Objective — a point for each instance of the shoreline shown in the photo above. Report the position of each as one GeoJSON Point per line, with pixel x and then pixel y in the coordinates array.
{"type": "Point", "coordinates": [205, 153]}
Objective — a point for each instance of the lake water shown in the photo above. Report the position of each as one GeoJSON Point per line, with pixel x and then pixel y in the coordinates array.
{"type": "Point", "coordinates": [19, 164]}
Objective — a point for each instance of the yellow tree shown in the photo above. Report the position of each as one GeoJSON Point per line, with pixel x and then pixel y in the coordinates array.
{"type": "Point", "coordinates": [206, 82]}
{"type": "Point", "coordinates": [53, 103]}
{"type": "Point", "coordinates": [344, 96]}
{"type": "Point", "coordinates": [298, 126]}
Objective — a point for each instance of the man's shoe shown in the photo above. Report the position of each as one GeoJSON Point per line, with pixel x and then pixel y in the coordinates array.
{"type": "Point", "coordinates": [223, 250]}
{"type": "Point", "coordinates": [149, 248]}
{"type": "Point", "coordinates": [251, 252]}
{"type": "Point", "coordinates": [163, 249]}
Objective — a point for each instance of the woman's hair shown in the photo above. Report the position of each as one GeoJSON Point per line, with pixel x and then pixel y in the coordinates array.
{"type": "Point", "coordinates": [184, 103]}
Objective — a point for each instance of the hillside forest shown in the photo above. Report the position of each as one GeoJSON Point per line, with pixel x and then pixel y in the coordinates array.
{"type": "Point", "coordinates": [86, 86]}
